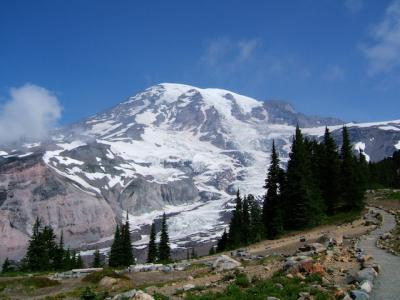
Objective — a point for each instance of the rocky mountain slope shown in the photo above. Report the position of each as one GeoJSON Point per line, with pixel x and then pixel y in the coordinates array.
{"type": "Point", "coordinates": [173, 148]}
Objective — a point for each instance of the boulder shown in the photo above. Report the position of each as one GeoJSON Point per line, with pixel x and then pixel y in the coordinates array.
{"type": "Point", "coordinates": [125, 295]}
{"type": "Point", "coordinates": [188, 287]}
{"type": "Point", "coordinates": [365, 274]}
{"type": "Point", "coordinates": [140, 295]}
{"type": "Point", "coordinates": [272, 298]}
{"type": "Point", "coordinates": [366, 286]}
{"type": "Point", "coordinates": [359, 295]}
{"type": "Point", "coordinates": [107, 282]}
{"type": "Point", "coordinates": [225, 262]}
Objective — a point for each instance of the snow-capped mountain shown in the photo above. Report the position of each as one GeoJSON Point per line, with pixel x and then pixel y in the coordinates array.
{"type": "Point", "coordinates": [173, 148]}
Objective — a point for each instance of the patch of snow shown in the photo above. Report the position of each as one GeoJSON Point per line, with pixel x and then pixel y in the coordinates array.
{"type": "Point", "coordinates": [25, 154]}
{"type": "Point", "coordinates": [389, 128]}
{"type": "Point", "coordinates": [2, 153]}
{"type": "Point", "coordinates": [397, 146]}
{"type": "Point", "coordinates": [360, 146]}
{"type": "Point", "coordinates": [147, 118]}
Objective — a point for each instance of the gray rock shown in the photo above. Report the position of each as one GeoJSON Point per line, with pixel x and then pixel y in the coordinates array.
{"type": "Point", "coordinates": [359, 295]}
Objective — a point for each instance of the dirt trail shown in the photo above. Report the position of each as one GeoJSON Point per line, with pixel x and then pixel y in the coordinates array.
{"type": "Point", "coordinates": [387, 285]}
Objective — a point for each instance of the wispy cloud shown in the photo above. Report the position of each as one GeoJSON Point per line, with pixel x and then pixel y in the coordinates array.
{"type": "Point", "coordinates": [248, 62]}
{"type": "Point", "coordinates": [383, 53]}
{"type": "Point", "coordinates": [334, 73]}
{"type": "Point", "coordinates": [29, 114]}
{"type": "Point", "coordinates": [226, 51]}
{"type": "Point", "coordinates": [354, 6]}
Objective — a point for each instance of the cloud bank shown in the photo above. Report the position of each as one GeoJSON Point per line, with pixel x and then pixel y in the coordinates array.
{"type": "Point", "coordinates": [30, 113]}
{"type": "Point", "coordinates": [383, 54]}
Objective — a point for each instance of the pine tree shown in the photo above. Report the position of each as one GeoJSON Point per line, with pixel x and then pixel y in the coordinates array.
{"type": "Point", "coordinates": [73, 259]}
{"type": "Point", "coordinates": [127, 249]}
{"type": "Point", "coordinates": [67, 263]}
{"type": "Point", "coordinates": [351, 195]}
{"type": "Point", "coordinates": [194, 253]}
{"type": "Point", "coordinates": [42, 248]}
{"type": "Point", "coordinates": [245, 232]}
{"type": "Point", "coordinates": [164, 250]}
{"type": "Point", "coordinates": [79, 262]}
{"type": "Point", "coordinates": [256, 220]}
{"type": "Point", "coordinates": [6, 267]}
{"type": "Point", "coordinates": [211, 251]}
{"type": "Point", "coordinates": [116, 250]}
{"type": "Point", "coordinates": [302, 200]}
{"type": "Point", "coordinates": [272, 206]}
{"type": "Point", "coordinates": [152, 248]}
{"type": "Point", "coordinates": [235, 226]}
{"type": "Point", "coordinates": [59, 255]}
{"type": "Point", "coordinates": [223, 242]}
{"type": "Point", "coordinates": [96, 259]}
{"type": "Point", "coordinates": [330, 174]}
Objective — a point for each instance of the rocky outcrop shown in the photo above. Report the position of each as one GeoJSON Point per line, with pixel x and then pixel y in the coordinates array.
{"type": "Point", "coordinates": [33, 190]}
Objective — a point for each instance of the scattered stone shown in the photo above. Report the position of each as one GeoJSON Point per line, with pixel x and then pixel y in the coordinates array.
{"type": "Point", "coordinates": [272, 298]}
{"type": "Point", "coordinates": [107, 282]}
{"type": "Point", "coordinates": [190, 277]}
{"type": "Point", "coordinates": [279, 286]}
{"type": "Point", "coordinates": [359, 295]}
{"type": "Point", "coordinates": [225, 262]}
{"type": "Point", "coordinates": [366, 286]}
{"type": "Point", "coordinates": [188, 287]}
{"type": "Point", "coordinates": [140, 295]}
{"type": "Point", "coordinates": [366, 274]}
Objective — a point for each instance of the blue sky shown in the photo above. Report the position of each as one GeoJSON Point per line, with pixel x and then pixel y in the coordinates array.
{"type": "Point", "coordinates": [328, 57]}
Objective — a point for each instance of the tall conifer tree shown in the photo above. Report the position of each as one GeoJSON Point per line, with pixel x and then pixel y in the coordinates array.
{"type": "Point", "coordinates": [272, 206]}
{"type": "Point", "coordinates": [164, 250]}
{"type": "Point", "coordinates": [152, 248]}
{"type": "Point", "coordinates": [303, 203]}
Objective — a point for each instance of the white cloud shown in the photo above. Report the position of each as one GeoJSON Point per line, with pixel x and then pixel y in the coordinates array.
{"type": "Point", "coordinates": [383, 54]}
{"type": "Point", "coordinates": [354, 6]}
{"type": "Point", "coordinates": [334, 73]}
{"type": "Point", "coordinates": [233, 62]}
{"type": "Point", "coordinates": [226, 51]}
{"type": "Point", "coordinates": [29, 114]}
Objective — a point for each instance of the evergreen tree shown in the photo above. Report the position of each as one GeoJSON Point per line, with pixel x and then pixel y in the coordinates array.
{"type": "Point", "coordinates": [164, 250]}
{"type": "Point", "coordinates": [96, 259]}
{"type": "Point", "coordinates": [194, 253]}
{"type": "Point", "coordinates": [79, 262]}
{"type": "Point", "coordinates": [187, 254]}
{"type": "Point", "coordinates": [116, 250]}
{"type": "Point", "coordinates": [152, 248]}
{"type": "Point", "coordinates": [256, 220]}
{"type": "Point", "coordinates": [223, 242]}
{"type": "Point", "coordinates": [59, 254]}
{"type": "Point", "coordinates": [351, 195]}
{"type": "Point", "coordinates": [235, 226]}
{"type": "Point", "coordinates": [127, 249]}
{"type": "Point", "coordinates": [272, 206]}
{"type": "Point", "coordinates": [73, 259]}
{"type": "Point", "coordinates": [67, 263]}
{"type": "Point", "coordinates": [212, 251]}
{"type": "Point", "coordinates": [302, 200]}
{"type": "Point", "coordinates": [6, 267]}
{"type": "Point", "coordinates": [41, 249]}
{"type": "Point", "coordinates": [245, 222]}
{"type": "Point", "coordinates": [330, 174]}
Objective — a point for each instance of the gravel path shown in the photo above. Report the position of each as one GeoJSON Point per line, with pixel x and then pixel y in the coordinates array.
{"type": "Point", "coordinates": [387, 284]}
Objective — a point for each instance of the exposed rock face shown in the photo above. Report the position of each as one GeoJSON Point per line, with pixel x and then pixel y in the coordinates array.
{"type": "Point", "coordinates": [172, 148]}
{"type": "Point", "coordinates": [32, 190]}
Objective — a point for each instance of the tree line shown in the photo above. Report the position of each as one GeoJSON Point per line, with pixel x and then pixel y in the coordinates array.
{"type": "Point", "coordinates": [44, 253]}
{"type": "Point", "coordinates": [320, 180]}
{"type": "Point", "coordinates": [385, 173]}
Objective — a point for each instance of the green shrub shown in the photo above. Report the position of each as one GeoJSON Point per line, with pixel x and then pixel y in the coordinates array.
{"type": "Point", "coordinates": [242, 280]}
